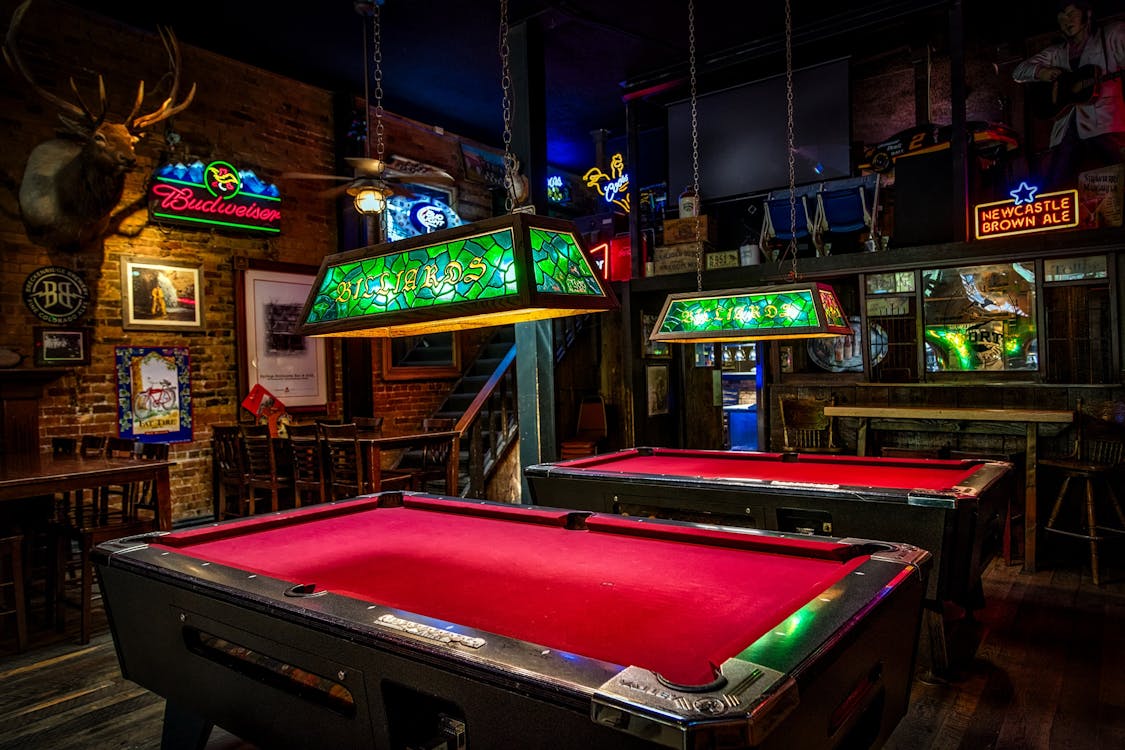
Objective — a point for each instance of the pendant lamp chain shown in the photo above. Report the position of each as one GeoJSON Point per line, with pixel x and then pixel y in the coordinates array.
{"type": "Point", "coordinates": [378, 60]}
{"type": "Point", "coordinates": [790, 142]}
{"type": "Point", "coordinates": [695, 145]}
{"type": "Point", "coordinates": [506, 87]}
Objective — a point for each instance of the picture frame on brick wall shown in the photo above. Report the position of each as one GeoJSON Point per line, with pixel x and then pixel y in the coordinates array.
{"type": "Point", "coordinates": [269, 297]}
{"type": "Point", "coordinates": [656, 389]}
{"type": "Point", "coordinates": [154, 402]}
{"type": "Point", "coordinates": [61, 347]}
{"type": "Point", "coordinates": [161, 295]}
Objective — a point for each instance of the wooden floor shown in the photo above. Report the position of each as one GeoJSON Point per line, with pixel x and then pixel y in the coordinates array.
{"type": "Point", "coordinates": [1048, 673]}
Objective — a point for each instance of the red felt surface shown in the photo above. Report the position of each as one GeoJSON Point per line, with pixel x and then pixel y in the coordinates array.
{"type": "Point", "coordinates": [673, 607]}
{"type": "Point", "coordinates": [848, 471]}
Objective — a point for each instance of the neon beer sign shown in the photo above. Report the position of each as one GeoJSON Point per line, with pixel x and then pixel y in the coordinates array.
{"type": "Point", "coordinates": [215, 194]}
{"type": "Point", "coordinates": [614, 187]}
{"type": "Point", "coordinates": [1028, 212]}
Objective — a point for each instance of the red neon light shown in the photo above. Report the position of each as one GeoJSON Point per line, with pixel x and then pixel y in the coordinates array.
{"type": "Point", "coordinates": [1048, 212]}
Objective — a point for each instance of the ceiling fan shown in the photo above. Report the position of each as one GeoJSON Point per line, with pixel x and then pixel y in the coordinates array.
{"type": "Point", "coordinates": [373, 180]}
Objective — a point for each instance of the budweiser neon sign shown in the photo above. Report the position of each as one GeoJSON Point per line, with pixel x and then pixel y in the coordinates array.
{"type": "Point", "coordinates": [217, 195]}
{"type": "Point", "coordinates": [1028, 211]}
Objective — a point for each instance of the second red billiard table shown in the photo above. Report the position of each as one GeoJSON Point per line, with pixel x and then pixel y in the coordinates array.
{"type": "Point", "coordinates": [953, 509]}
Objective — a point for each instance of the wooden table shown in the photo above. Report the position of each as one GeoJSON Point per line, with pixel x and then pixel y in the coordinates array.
{"type": "Point", "coordinates": [374, 444]}
{"type": "Point", "coordinates": [999, 422]}
{"type": "Point", "coordinates": [25, 475]}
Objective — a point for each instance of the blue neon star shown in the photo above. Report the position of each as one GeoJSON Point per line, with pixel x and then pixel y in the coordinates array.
{"type": "Point", "coordinates": [1024, 193]}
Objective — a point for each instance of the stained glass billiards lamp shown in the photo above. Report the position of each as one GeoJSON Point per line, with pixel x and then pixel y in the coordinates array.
{"type": "Point", "coordinates": [790, 311]}
{"type": "Point", "coordinates": [509, 269]}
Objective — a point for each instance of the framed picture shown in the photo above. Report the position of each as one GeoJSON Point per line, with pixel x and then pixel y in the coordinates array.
{"type": "Point", "coordinates": [430, 356]}
{"type": "Point", "coordinates": [269, 298]}
{"type": "Point", "coordinates": [656, 388]}
{"type": "Point", "coordinates": [58, 347]}
{"type": "Point", "coordinates": [161, 295]}
{"type": "Point", "coordinates": [154, 393]}
{"type": "Point", "coordinates": [653, 349]}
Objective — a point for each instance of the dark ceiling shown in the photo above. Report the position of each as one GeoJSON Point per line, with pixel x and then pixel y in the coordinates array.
{"type": "Point", "coordinates": [441, 61]}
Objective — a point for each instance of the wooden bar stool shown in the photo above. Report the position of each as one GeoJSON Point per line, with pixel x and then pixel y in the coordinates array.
{"type": "Point", "coordinates": [11, 582]}
{"type": "Point", "coordinates": [1099, 452]}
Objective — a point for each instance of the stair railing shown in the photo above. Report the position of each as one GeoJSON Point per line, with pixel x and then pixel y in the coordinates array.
{"type": "Point", "coordinates": [492, 424]}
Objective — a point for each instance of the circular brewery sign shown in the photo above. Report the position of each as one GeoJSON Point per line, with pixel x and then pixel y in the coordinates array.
{"type": "Point", "coordinates": [56, 294]}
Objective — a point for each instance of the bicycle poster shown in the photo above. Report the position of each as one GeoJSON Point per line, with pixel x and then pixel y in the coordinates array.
{"type": "Point", "coordinates": [153, 394]}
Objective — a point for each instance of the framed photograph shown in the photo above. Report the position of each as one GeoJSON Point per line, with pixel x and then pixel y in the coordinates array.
{"type": "Point", "coordinates": [656, 388]}
{"type": "Point", "coordinates": [269, 298]}
{"type": "Point", "coordinates": [59, 347]}
{"type": "Point", "coordinates": [154, 393]}
{"type": "Point", "coordinates": [653, 349]}
{"type": "Point", "coordinates": [426, 357]}
{"type": "Point", "coordinates": [161, 295]}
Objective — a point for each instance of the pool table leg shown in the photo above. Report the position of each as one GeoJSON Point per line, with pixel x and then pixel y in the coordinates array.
{"type": "Point", "coordinates": [183, 730]}
{"type": "Point", "coordinates": [933, 621]}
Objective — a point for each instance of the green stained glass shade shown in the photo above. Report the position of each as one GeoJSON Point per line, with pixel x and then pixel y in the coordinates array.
{"type": "Point", "coordinates": [560, 266]}
{"type": "Point", "coordinates": [469, 276]}
{"type": "Point", "coordinates": [475, 268]}
{"type": "Point", "coordinates": [794, 311]}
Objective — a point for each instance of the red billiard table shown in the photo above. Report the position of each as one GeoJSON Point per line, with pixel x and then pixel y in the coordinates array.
{"type": "Point", "coordinates": [407, 620]}
{"type": "Point", "coordinates": [952, 509]}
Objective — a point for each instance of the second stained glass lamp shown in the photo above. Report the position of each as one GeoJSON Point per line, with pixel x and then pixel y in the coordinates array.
{"type": "Point", "coordinates": [790, 311]}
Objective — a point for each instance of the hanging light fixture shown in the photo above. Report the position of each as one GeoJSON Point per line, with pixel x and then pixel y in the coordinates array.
{"type": "Point", "coordinates": [368, 199]}
{"type": "Point", "coordinates": [795, 310]}
{"type": "Point", "coordinates": [508, 269]}
{"type": "Point", "coordinates": [369, 196]}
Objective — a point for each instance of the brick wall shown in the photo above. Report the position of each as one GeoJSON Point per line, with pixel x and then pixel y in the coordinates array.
{"type": "Point", "coordinates": [247, 116]}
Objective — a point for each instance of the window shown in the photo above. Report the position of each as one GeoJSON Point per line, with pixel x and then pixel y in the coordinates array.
{"type": "Point", "coordinates": [892, 319]}
{"type": "Point", "coordinates": [980, 318]}
{"type": "Point", "coordinates": [1079, 320]}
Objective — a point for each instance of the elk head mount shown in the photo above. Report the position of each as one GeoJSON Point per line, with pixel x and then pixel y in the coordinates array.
{"type": "Point", "coordinates": [72, 183]}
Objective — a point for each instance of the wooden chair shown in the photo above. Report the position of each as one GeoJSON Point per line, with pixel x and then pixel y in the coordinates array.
{"type": "Point", "coordinates": [116, 447]}
{"type": "Point", "coordinates": [347, 470]}
{"type": "Point", "coordinates": [79, 533]}
{"type": "Point", "coordinates": [1098, 456]}
{"type": "Point", "coordinates": [64, 446]}
{"type": "Point", "coordinates": [231, 495]}
{"type": "Point", "coordinates": [92, 445]}
{"type": "Point", "coordinates": [369, 425]}
{"type": "Point", "coordinates": [804, 426]}
{"type": "Point", "coordinates": [145, 497]}
{"type": "Point", "coordinates": [87, 446]}
{"type": "Point", "coordinates": [591, 430]}
{"type": "Point", "coordinates": [307, 461]}
{"type": "Point", "coordinates": [267, 468]}
{"type": "Point", "coordinates": [435, 457]}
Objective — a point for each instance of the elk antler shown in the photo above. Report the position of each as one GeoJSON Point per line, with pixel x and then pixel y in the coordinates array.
{"type": "Point", "coordinates": [168, 108]}
{"type": "Point", "coordinates": [77, 112]}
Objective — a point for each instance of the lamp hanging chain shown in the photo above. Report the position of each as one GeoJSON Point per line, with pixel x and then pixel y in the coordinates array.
{"type": "Point", "coordinates": [695, 146]}
{"type": "Point", "coordinates": [790, 143]}
{"type": "Point", "coordinates": [378, 59]}
{"type": "Point", "coordinates": [506, 87]}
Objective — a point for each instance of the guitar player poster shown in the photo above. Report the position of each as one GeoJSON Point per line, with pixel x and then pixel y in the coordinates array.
{"type": "Point", "coordinates": [1075, 83]}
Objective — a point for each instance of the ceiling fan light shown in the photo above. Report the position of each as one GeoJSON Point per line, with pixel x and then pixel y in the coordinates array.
{"type": "Point", "coordinates": [370, 200]}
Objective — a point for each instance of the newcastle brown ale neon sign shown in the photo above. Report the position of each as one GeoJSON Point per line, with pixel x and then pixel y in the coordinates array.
{"type": "Point", "coordinates": [1027, 212]}
{"type": "Point", "coordinates": [215, 195]}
